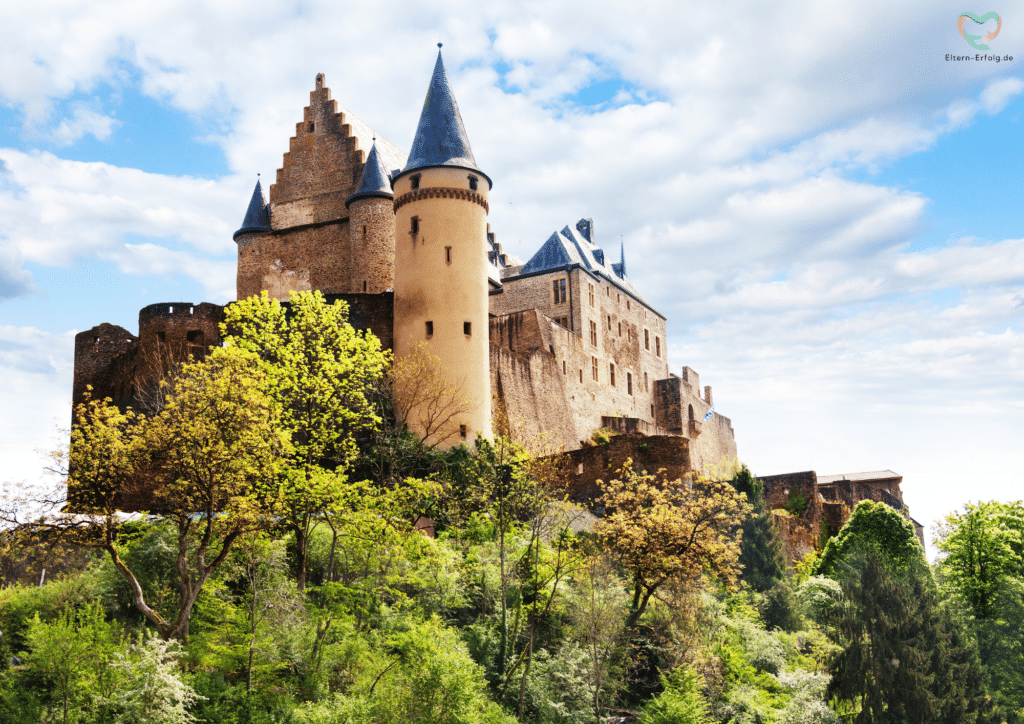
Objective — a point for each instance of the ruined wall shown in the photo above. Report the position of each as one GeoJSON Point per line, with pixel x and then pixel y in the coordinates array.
{"type": "Point", "coordinates": [603, 462]}
{"type": "Point", "coordinates": [799, 534]}
{"type": "Point", "coordinates": [680, 409]}
{"type": "Point", "coordinates": [96, 351]}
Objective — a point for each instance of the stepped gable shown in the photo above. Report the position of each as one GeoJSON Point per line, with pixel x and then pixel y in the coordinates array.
{"type": "Point", "coordinates": [257, 216]}
{"type": "Point", "coordinates": [326, 156]}
{"type": "Point", "coordinates": [441, 138]}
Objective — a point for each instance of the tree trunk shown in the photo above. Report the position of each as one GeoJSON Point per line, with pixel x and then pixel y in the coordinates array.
{"type": "Point", "coordinates": [301, 541]}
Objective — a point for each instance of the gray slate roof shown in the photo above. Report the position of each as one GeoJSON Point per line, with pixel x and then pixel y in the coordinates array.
{"type": "Point", "coordinates": [257, 216]}
{"type": "Point", "coordinates": [575, 247]}
{"type": "Point", "coordinates": [375, 181]}
{"type": "Point", "coordinates": [441, 138]}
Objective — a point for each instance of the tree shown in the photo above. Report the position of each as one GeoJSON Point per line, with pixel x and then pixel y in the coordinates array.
{"type": "Point", "coordinates": [152, 691]}
{"type": "Point", "coordinates": [72, 655]}
{"type": "Point", "coordinates": [983, 547]}
{"type": "Point", "coordinates": [425, 399]}
{"type": "Point", "coordinates": [904, 659]}
{"type": "Point", "coordinates": [760, 552]}
{"type": "Point", "coordinates": [321, 372]}
{"type": "Point", "coordinates": [662, 529]}
{"type": "Point", "coordinates": [208, 463]}
{"type": "Point", "coordinates": [878, 526]}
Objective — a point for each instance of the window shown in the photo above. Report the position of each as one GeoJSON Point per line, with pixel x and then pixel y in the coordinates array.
{"type": "Point", "coordinates": [652, 410]}
{"type": "Point", "coordinates": [430, 329]}
{"type": "Point", "coordinates": [563, 322]}
{"type": "Point", "coordinates": [564, 371]}
{"type": "Point", "coordinates": [415, 180]}
{"type": "Point", "coordinates": [645, 382]}
{"type": "Point", "coordinates": [472, 183]}
{"type": "Point", "coordinates": [462, 431]}
{"type": "Point", "coordinates": [618, 299]}
{"type": "Point", "coordinates": [609, 323]}
{"type": "Point", "coordinates": [657, 346]}
{"type": "Point", "coordinates": [552, 348]}
{"type": "Point", "coordinates": [447, 255]}
{"type": "Point", "coordinates": [620, 329]}
{"type": "Point", "coordinates": [629, 383]}
{"type": "Point", "coordinates": [467, 328]}
{"type": "Point", "coordinates": [647, 340]}
{"type": "Point", "coordinates": [593, 334]}
{"type": "Point", "coordinates": [415, 229]}
{"type": "Point", "coordinates": [364, 232]}
{"type": "Point", "coordinates": [627, 305]}
{"type": "Point", "coordinates": [593, 367]}
{"type": "Point", "coordinates": [608, 291]}
{"type": "Point", "coordinates": [581, 377]}
{"type": "Point", "coordinates": [364, 286]}
{"type": "Point", "coordinates": [611, 373]}
{"type": "Point", "coordinates": [559, 290]}
{"type": "Point", "coordinates": [312, 126]}
{"type": "Point", "coordinates": [591, 294]}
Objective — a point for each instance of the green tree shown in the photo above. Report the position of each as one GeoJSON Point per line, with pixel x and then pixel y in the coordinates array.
{"type": "Point", "coordinates": [760, 552]}
{"type": "Point", "coordinates": [904, 659]}
{"type": "Point", "coordinates": [877, 526]}
{"type": "Point", "coordinates": [321, 371]}
{"type": "Point", "coordinates": [208, 463]}
{"type": "Point", "coordinates": [982, 547]}
{"type": "Point", "coordinates": [663, 529]}
{"type": "Point", "coordinates": [72, 655]}
{"type": "Point", "coordinates": [152, 691]}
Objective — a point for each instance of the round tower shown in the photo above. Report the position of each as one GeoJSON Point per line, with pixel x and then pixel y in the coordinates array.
{"type": "Point", "coordinates": [372, 229]}
{"type": "Point", "coordinates": [441, 204]}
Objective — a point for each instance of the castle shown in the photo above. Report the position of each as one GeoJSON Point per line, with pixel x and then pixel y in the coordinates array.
{"type": "Point", "coordinates": [560, 346]}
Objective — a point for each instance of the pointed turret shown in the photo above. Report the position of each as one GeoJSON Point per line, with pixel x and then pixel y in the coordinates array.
{"type": "Point", "coordinates": [622, 258]}
{"type": "Point", "coordinates": [257, 216]}
{"type": "Point", "coordinates": [441, 138]}
{"type": "Point", "coordinates": [375, 181]}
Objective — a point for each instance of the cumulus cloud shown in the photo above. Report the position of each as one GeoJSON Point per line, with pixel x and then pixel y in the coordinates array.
{"type": "Point", "coordinates": [14, 281]}
{"type": "Point", "coordinates": [734, 176]}
{"type": "Point", "coordinates": [83, 122]}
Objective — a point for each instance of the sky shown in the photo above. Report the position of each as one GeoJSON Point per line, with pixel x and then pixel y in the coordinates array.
{"type": "Point", "coordinates": [822, 200]}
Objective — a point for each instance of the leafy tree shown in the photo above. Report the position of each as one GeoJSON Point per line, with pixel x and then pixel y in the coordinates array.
{"type": "Point", "coordinates": [680, 702]}
{"type": "Point", "coordinates": [208, 463]}
{"type": "Point", "coordinates": [152, 691]}
{"type": "Point", "coordinates": [321, 371]}
{"type": "Point", "coordinates": [73, 655]}
{"type": "Point", "coordinates": [662, 529]}
{"type": "Point", "coordinates": [983, 548]}
{"type": "Point", "coordinates": [874, 525]}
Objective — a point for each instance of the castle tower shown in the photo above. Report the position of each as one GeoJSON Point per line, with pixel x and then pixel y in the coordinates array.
{"type": "Point", "coordinates": [304, 242]}
{"type": "Point", "coordinates": [372, 229]}
{"type": "Point", "coordinates": [441, 261]}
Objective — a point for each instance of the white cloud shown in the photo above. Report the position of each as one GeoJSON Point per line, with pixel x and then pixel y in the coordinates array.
{"type": "Point", "coordinates": [83, 122]}
{"type": "Point", "coordinates": [999, 93]}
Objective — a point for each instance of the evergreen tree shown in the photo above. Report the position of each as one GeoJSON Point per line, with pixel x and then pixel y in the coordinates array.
{"type": "Point", "coordinates": [905, 659]}
{"type": "Point", "coordinates": [760, 552]}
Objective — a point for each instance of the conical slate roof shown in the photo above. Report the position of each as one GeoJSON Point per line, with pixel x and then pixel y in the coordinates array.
{"type": "Point", "coordinates": [441, 138]}
{"type": "Point", "coordinates": [375, 181]}
{"type": "Point", "coordinates": [257, 216]}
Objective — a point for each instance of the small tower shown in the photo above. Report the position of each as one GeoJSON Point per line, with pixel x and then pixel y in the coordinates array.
{"type": "Point", "coordinates": [372, 229]}
{"type": "Point", "coordinates": [254, 231]}
{"type": "Point", "coordinates": [441, 204]}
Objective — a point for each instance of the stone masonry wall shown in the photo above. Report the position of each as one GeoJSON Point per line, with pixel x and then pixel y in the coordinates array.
{"type": "Point", "coordinates": [372, 246]}
{"type": "Point", "coordinates": [603, 462]}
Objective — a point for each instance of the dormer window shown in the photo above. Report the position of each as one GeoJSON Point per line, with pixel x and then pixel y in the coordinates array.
{"type": "Point", "coordinates": [415, 181]}
{"type": "Point", "coordinates": [472, 183]}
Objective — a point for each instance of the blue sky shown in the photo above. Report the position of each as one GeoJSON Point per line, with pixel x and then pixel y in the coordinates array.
{"type": "Point", "coordinates": [826, 210]}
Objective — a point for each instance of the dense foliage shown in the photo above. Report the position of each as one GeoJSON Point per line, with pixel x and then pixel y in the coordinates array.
{"type": "Point", "coordinates": [279, 572]}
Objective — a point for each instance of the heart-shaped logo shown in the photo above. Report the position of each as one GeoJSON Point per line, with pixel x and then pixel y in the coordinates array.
{"type": "Point", "coordinates": [972, 40]}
